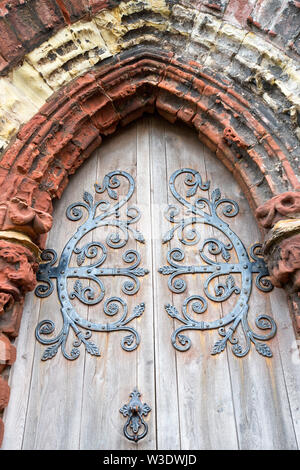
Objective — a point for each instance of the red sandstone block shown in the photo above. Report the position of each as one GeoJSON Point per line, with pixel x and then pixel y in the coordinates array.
{"type": "Point", "coordinates": [43, 164]}
{"type": "Point", "coordinates": [186, 114]}
{"type": "Point", "coordinates": [4, 393]}
{"type": "Point", "coordinates": [84, 155]}
{"type": "Point", "coordinates": [10, 187]}
{"type": "Point", "coordinates": [122, 90]}
{"type": "Point", "coordinates": [3, 175]}
{"type": "Point", "coordinates": [233, 104]}
{"type": "Point", "coordinates": [90, 148]}
{"type": "Point", "coordinates": [210, 91]}
{"type": "Point", "coordinates": [95, 103]}
{"type": "Point", "coordinates": [128, 106]}
{"type": "Point", "coordinates": [168, 116]}
{"type": "Point", "coordinates": [238, 97]}
{"type": "Point", "coordinates": [149, 108]}
{"type": "Point", "coordinates": [3, 9]}
{"type": "Point", "coordinates": [84, 85]}
{"type": "Point", "coordinates": [42, 200]}
{"type": "Point", "coordinates": [258, 160]}
{"type": "Point", "coordinates": [291, 175]}
{"type": "Point", "coordinates": [238, 13]}
{"type": "Point", "coordinates": [57, 101]}
{"type": "Point", "coordinates": [10, 46]}
{"type": "Point", "coordinates": [53, 179]}
{"type": "Point", "coordinates": [85, 136]}
{"type": "Point", "coordinates": [66, 109]}
{"type": "Point", "coordinates": [110, 129]}
{"type": "Point", "coordinates": [68, 155]}
{"type": "Point", "coordinates": [269, 180]}
{"type": "Point", "coordinates": [30, 127]}
{"type": "Point", "coordinates": [198, 85]}
{"type": "Point", "coordinates": [178, 73]}
{"type": "Point", "coordinates": [212, 132]}
{"type": "Point", "coordinates": [169, 105]}
{"type": "Point", "coordinates": [258, 129]}
{"type": "Point", "coordinates": [26, 158]}
{"type": "Point", "coordinates": [104, 70]}
{"type": "Point", "coordinates": [3, 65]}
{"type": "Point", "coordinates": [51, 145]}
{"type": "Point", "coordinates": [26, 24]}
{"type": "Point", "coordinates": [222, 117]}
{"type": "Point", "coordinates": [9, 156]}
{"type": "Point", "coordinates": [272, 147]}
{"type": "Point", "coordinates": [45, 131]}
{"type": "Point", "coordinates": [198, 120]}
{"type": "Point", "coordinates": [7, 352]}
{"type": "Point", "coordinates": [69, 118]}
{"type": "Point", "coordinates": [72, 10]}
{"type": "Point", "coordinates": [106, 117]}
{"type": "Point", "coordinates": [97, 5]}
{"type": "Point", "coordinates": [49, 14]}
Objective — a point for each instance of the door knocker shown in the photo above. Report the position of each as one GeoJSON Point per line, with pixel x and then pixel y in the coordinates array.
{"type": "Point", "coordinates": [134, 411]}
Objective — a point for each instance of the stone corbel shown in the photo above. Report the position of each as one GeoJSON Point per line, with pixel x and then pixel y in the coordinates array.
{"type": "Point", "coordinates": [281, 217]}
{"type": "Point", "coordinates": [19, 258]}
{"type": "Point", "coordinates": [18, 215]}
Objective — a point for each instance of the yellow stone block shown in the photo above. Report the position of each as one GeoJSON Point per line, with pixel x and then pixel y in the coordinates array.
{"type": "Point", "coordinates": [30, 82]}
{"type": "Point", "coordinates": [15, 102]}
{"type": "Point", "coordinates": [160, 6]}
{"type": "Point", "coordinates": [205, 29]}
{"type": "Point", "coordinates": [87, 36]}
{"type": "Point", "coordinates": [235, 34]}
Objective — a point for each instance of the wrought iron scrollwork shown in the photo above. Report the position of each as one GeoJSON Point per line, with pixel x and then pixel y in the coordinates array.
{"type": "Point", "coordinates": [134, 411]}
{"type": "Point", "coordinates": [102, 213]}
{"type": "Point", "coordinates": [220, 284]}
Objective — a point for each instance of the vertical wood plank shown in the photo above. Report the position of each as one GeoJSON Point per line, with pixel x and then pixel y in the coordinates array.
{"type": "Point", "coordinates": [146, 324]}
{"type": "Point", "coordinates": [20, 377]}
{"type": "Point", "coordinates": [288, 352]}
{"type": "Point", "coordinates": [198, 401]}
{"type": "Point", "coordinates": [110, 379]}
{"type": "Point", "coordinates": [206, 410]}
{"type": "Point", "coordinates": [260, 396]}
{"type": "Point", "coordinates": [53, 415]}
{"type": "Point", "coordinates": [167, 400]}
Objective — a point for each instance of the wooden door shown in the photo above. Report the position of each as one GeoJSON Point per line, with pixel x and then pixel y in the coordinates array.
{"type": "Point", "coordinates": [198, 400]}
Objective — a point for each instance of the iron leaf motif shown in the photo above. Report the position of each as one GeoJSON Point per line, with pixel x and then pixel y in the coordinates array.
{"type": "Point", "coordinates": [91, 258]}
{"type": "Point", "coordinates": [220, 284]}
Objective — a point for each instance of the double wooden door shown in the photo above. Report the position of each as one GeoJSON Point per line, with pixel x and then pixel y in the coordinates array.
{"type": "Point", "coordinates": [203, 393]}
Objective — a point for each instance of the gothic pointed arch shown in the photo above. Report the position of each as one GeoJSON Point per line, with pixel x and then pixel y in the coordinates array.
{"type": "Point", "coordinates": [74, 71]}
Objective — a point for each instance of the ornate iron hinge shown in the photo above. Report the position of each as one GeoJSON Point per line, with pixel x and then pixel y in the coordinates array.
{"type": "Point", "coordinates": [134, 411]}
{"type": "Point", "coordinates": [205, 211]}
{"type": "Point", "coordinates": [102, 213]}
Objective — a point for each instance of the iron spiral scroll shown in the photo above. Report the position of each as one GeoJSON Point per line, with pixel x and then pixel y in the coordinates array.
{"type": "Point", "coordinates": [205, 211]}
{"type": "Point", "coordinates": [101, 213]}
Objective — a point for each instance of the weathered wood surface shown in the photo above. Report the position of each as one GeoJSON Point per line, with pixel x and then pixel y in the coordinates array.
{"type": "Point", "coordinates": [198, 401]}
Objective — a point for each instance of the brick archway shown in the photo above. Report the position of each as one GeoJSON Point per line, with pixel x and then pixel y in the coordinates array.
{"type": "Point", "coordinates": [36, 167]}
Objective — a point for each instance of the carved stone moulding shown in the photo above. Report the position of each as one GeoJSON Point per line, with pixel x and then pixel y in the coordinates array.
{"type": "Point", "coordinates": [18, 266]}
{"type": "Point", "coordinates": [281, 215]}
